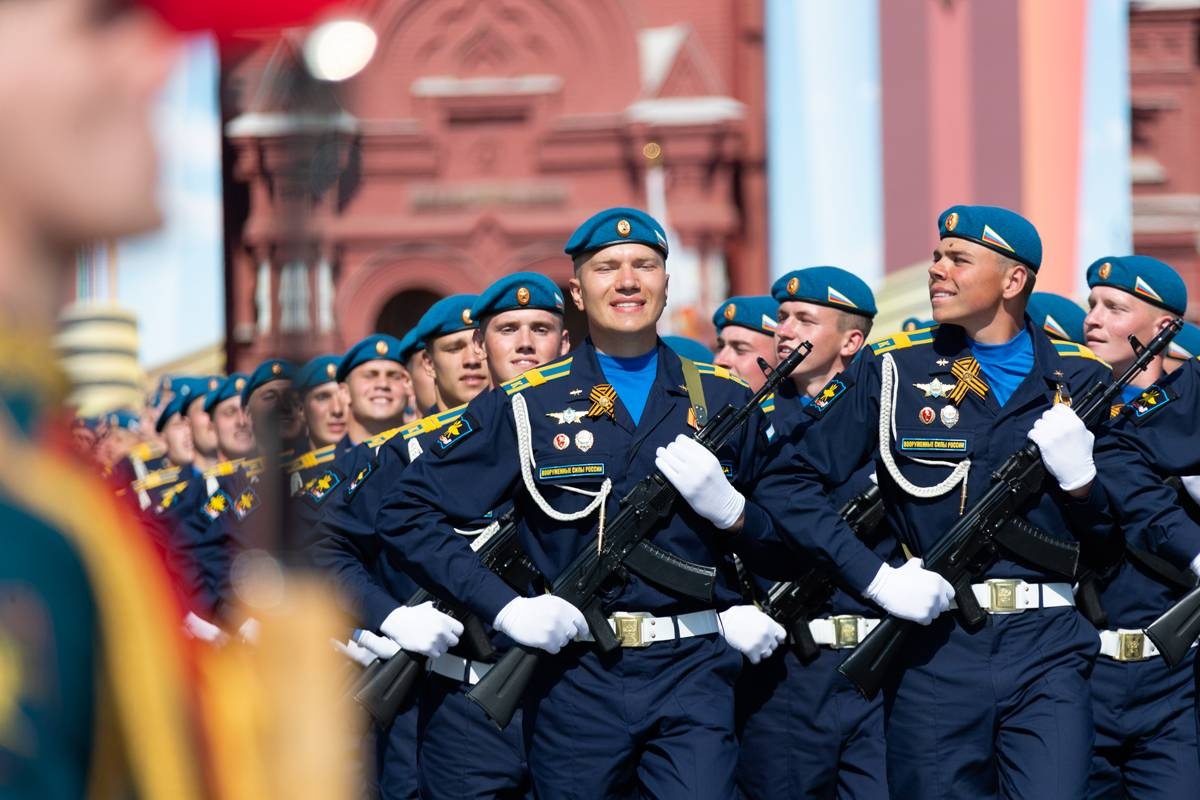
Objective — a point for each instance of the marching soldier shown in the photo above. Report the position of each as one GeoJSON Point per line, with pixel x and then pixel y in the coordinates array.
{"type": "Point", "coordinates": [1146, 737]}
{"type": "Point", "coordinates": [804, 730]}
{"type": "Point", "coordinates": [1001, 710]}
{"type": "Point", "coordinates": [562, 441]}
{"type": "Point", "coordinates": [745, 333]}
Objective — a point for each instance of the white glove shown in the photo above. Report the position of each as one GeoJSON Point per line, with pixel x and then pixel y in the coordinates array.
{"type": "Point", "coordinates": [545, 622]}
{"type": "Point", "coordinates": [380, 646]}
{"type": "Point", "coordinates": [1066, 446]}
{"type": "Point", "coordinates": [422, 629]}
{"type": "Point", "coordinates": [695, 472]}
{"type": "Point", "coordinates": [1195, 566]}
{"type": "Point", "coordinates": [1192, 484]}
{"type": "Point", "coordinates": [751, 632]}
{"type": "Point", "coordinates": [354, 651]}
{"type": "Point", "coordinates": [199, 628]}
{"type": "Point", "coordinates": [911, 592]}
{"type": "Point", "coordinates": [249, 630]}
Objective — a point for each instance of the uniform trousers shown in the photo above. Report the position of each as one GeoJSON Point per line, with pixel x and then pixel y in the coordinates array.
{"type": "Point", "coordinates": [806, 732]}
{"type": "Point", "coordinates": [461, 752]}
{"type": "Point", "coordinates": [1146, 738]}
{"type": "Point", "coordinates": [655, 721]}
{"type": "Point", "coordinates": [1002, 711]}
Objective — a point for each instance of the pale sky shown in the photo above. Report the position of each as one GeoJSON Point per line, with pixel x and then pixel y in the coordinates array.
{"type": "Point", "coordinates": [174, 278]}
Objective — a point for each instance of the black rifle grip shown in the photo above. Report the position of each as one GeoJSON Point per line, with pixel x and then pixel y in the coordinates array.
{"type": "Point", "coordinates": [1087, 598]}
{"type": "Point", "coordinates": [383, 694]}
{"type": "Point", "coordinates": [968, 607]}
{"type": "Point", "coordinates": [474, 644]}
{"type": "Point", "coordinates": [598, 625]}
{"type": "Point", "coordinates": [803, 645]}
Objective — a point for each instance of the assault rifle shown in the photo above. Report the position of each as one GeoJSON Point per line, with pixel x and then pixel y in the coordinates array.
{"type": "Point", "coordinates": [385, 685]}
{"type": "Point", "coordinates": [625, 547]}
{"type": "Point", "coordinates": [994, 524]}
{"type": "Point", "coordinates": [793, 603]}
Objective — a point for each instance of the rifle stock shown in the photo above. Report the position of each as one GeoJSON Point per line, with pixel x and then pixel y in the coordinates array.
{"type": "Point", "coordinates": [1176, 631]}
{"type": "Point", "coordinates": [385, 685]}
{"type": "Point", "coordinates": [970, 545]}
{"type": "Point", "coordinates": [499, 693]}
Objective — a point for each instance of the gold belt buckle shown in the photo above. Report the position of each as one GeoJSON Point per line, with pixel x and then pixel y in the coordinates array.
{"type": "Point", "coordinates": [628, 630]}
{"type": "Point", "coordinates": [1003, 594]}
{"type": "Point", "coordinates": [845, 631]}
{"type": "Point", "coordinates": [1131, 646]}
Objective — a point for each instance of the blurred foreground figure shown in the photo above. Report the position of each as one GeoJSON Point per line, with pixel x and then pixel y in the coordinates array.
{"type": "Point", "coordinates": [100, 693]}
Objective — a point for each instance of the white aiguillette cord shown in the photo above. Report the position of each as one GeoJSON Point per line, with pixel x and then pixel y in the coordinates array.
{"type": "Point", "coordinates": [525, 455]}
{"type": "Point", "coordinates": [887, 431]}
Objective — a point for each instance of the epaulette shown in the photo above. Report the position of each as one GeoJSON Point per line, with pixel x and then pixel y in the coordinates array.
{"type": "Point", "coordinates": [253, 466]}
{"type": "Point", "coordinates": [224, 468]}
{"type": "Point", "coordinates": [538, 375]}
{"type": "Point", "coordinates": [171, 494]}
{"type": "Point", "coordinates": [312, 458]}
{"type": "Point", "coordinates": [899, 341]}
{"type": "Point", "coordinates": [768, 403]}
{"type": "Point", "coordinates": [153, 480]}
{"type": "Point", "coordinates": [433, 422]}
{"type": "Point", "coordinates": [379, 438]}
{"type": "Point", "coordinates": [1072, 350]}
{"type": "Point", "coordinates": [147, 451]}
{"type": "Point", "coordinates": [719, 372]}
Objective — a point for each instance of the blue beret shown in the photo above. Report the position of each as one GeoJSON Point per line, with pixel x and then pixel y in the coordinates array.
{"type": "Point", "coordinates": [826, 286]}
{"type": "Point", "coordinates": [376, 347]}
{"type": "Point", "coordinates": [916, 324]}
{"type": "Point", "coordinates": [273, 369]}
{"type": "Point", "coordinates": [1057, 316]}
{"type": "Point", "coordinates": [169, 410]}
{"type": "Point", "coordinates": [322, 369]}
{"type": "Point", "coordinates": [201, 387]}
{"type": "Point", "coordinates": [229, 387]}
{"type": "Point", "coordinates": [409, 344]}
{"type": "Point", "coordinates": [123, 418]}
{"type": "Point", "coordinates": [1143, 277]}
{"type": "Point", "coordinates": [517, 291]}
{"type": "Point", "coordinates": [756, 313]}
{"type": "Point", "coordinates": [1186, 344]}
{"type": "Point", "coordinates": [688, 348]}
{"type": "Point", "coordinates": [187, 388]}
{"type": "Point", "coordinates": [448, 315]}
{"type": "Point", "coordinates": [1006, 232]}
{"type": "Point", "coordinates": [617, 226]}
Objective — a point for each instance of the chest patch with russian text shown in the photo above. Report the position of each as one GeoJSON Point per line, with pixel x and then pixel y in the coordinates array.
{"type": "Point", "coordinates": [561, 472]}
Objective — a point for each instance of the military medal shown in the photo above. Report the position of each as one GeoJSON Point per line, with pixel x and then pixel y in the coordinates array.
{"type": "Point", "coordinates": [967, 370]}
{"type": "Point", "coordinates": [949, 416]}
{"type": "Point", "coordinates": [926, 415]}
{"type": "Point", "coordinates": [604, 401]}
{"type": "Point", "coordinates": [567, 416]}
{"type": "Point", "coordinates": [935, 388]}
{"type": "Point", "coordinates": [584, 441]}
{"type": "Point", "coordinates": [561, 441]}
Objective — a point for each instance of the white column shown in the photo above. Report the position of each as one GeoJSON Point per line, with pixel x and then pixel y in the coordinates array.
{"type": "Point", "coordinates": [263, 296]}
{"type": "Point", "coordinates": [294, 298]}
{"type": "Point", "coordinates": [324, 295]}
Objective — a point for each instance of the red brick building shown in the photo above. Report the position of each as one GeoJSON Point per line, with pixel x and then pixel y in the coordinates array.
{"type": "Point", "coordinates": [479, 136]}
{"type": "Point", "coordinates": [1164, 68]}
